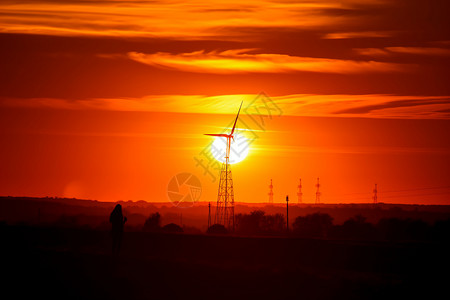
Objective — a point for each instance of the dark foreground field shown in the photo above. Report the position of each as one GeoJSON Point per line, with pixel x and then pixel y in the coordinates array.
{"type": "Point", "coordinates": [77, 264]}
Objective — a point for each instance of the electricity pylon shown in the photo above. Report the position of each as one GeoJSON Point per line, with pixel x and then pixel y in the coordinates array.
{"type": "Point", "coordinates": [317, 192]}
{"type": "Point", "coordinates": [225, 196]}
{"type": "Point", "coordinates": [299, 193]}
{"type": "Point", "coordinates": [270, 192]}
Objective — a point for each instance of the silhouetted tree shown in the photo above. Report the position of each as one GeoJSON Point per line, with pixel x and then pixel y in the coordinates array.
{"type": "Point", "coordinates": [273, 224]}
{"type": "Point", "coordinates": [249, 223]}
{"type": "Point", "coordinates": [441, 230]}
{"type": "Point", "coordinates": [417, 230]}
{"type": "Point", "coordinates": [355, 228]}
{"type": "Point", "coordinates": [172, 228]}
{"type": "Point", "coordinates": [153, 223]}
{"type": "Point", "coordinates": [394, 229]}
{"type": "Point", "coordinates": [313, 225]}
{"type": "Point", "coordinates": [191, 230]}
{"type": "Point", "coordinates": [257, 222]}
{"type": "Point", "coordinates": [217, 229]}
{"type": "Point", "coordinates": [67, 221]}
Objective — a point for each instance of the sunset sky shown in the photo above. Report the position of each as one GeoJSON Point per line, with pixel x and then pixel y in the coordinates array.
{"type": "Point", "coordinates": [109, 100]}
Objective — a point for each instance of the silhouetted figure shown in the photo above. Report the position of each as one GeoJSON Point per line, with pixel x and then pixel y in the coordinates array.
{"type": "Point", "coordinates": [117, 221]}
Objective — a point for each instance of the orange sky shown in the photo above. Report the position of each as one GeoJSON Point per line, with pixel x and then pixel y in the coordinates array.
{"type": "Point", "coordinates": [109, 99]}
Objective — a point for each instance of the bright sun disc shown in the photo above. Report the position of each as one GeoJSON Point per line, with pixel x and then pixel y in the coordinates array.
{"type": "Point", "coordinates": [238, 148]}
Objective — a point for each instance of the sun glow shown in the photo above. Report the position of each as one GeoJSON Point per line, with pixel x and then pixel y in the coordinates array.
{"type": "Point", "coordinates": [239, 148]}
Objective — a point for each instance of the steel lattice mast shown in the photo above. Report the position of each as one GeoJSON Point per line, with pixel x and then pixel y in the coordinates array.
{"type": "Point", "coordinates": [225, 195]}
{"type": "Point", "coordinates": [270, 192]}
{"type": "Point", "coordinates": [375, 194]}
{"type": "Point", "coordinates": [299, 193]}
{"type": "Point", "coordinates": [225, 198]}
{"type": "Point", "coordinates": [317, 192]}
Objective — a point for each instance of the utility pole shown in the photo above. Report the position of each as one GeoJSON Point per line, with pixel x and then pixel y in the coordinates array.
{"type": "Point", "coordinates": [287, 213]}
{"type": "Point", "coordinates": [209, 214]}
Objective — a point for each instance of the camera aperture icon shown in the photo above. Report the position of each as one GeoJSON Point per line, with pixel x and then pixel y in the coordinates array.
{"type": "Point", "coordinates": [184, 189]}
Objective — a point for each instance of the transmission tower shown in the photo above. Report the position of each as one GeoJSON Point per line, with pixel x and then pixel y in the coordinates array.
{"type": "Point", "coordinates": [375, 194]}
{"type": "Point", "coordinates": [270, 192]}
{"type": "Point", "coordinates": [317, 191]}
{"type": "Point", "coordinates": [299, 193]}
{"type": "Point", "coordinates": [225, 196]}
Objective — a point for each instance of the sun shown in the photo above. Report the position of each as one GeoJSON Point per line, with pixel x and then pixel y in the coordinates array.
{"type": "Point", "coordinates": [239, 148]}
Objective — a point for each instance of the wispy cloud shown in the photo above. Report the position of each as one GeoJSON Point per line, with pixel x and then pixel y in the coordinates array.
{"type": "Point", "coordinates": [361, 106]}
{"type": "Point", "coordinates": [420, 50]}
{"type": "Point", "coordinates": [372, 51]}
{"type": "Point", "coordinates": [366, 106]}
{"type": "Point", "coordinates": [358, 34]}
{"type": "Point", "coordinates": [176, 19]}
{"type": "Point", "coordinates": [432, 51]}
{"type": "Point", "coordinates": [240, 60]}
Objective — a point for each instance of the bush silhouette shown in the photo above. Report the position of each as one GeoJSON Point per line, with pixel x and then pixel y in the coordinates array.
{"type": "Point", "coordinates": [172, 228]}
{"type": "Point", "coordinates": [440, 230]}
{"type": "Point", "coordinates": [191, 230]}
{"type": "Point", "coordinates": [249, 223]}
{"type": "Point", "coordinates": [273, 224]}
{"type": "Point", "coordinates": [313, 225]}
{"type": "Point", "coordinates": [217, 229]}
{"type": "Point", "coordinates": [257, 222]}
{"type": "Point", "coordinates": [394, 229]}
{"type": "Point", "coordinates": [355, 228]}
{"type": "Point", "coordinates": [153, 223]}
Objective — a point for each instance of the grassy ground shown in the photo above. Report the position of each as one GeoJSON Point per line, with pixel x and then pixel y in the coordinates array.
{"type": "Point", "coordinates": [77, 264]}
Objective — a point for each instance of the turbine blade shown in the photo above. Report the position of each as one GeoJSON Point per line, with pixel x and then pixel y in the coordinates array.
{"type": "Point", "coordinates": [217, 134]}
{"type": "Point", "coordinates": [235, 121]}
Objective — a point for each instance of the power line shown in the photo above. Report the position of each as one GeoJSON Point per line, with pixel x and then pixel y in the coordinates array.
{"type": "Point", "coordinates": [404, 190]}
{"type": "Point", "coordinates": [418, 189]}
{"type": "Point", "coordinates": [389, 195]}
{"type": "Point", "coordinates": [416, 195]}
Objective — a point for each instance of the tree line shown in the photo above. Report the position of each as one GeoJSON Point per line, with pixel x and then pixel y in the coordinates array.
{"type": "Point", "coordinates": [313, 225]}
{"type": "Point", "coordinates": [320, 225]}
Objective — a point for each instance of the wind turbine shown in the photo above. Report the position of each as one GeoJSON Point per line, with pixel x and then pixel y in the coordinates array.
{"type": "Point", "coordinates": [225, 196]}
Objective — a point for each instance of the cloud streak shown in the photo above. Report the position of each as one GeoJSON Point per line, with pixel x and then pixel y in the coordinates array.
{"type": "Point", "coordinates": [183, 20]}
{"type": "Point", "coordinates": [241, 61]}
{"type": "Point", "coordinates": [360, 106]}
{"type": "Point", "coordinates": [386, 51]}
{"type": "Point", "coordinates": [358, 34]}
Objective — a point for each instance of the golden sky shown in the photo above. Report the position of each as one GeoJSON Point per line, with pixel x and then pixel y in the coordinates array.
{"type": "Point", "coordinates": [109, 99]}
